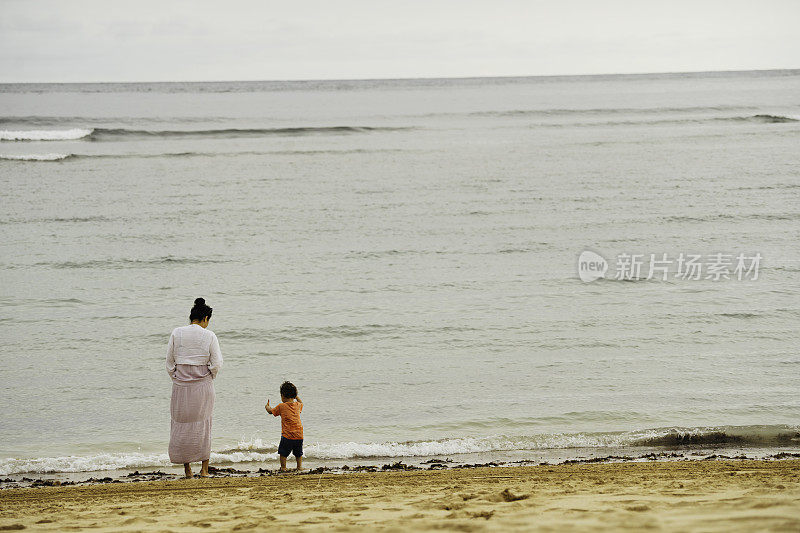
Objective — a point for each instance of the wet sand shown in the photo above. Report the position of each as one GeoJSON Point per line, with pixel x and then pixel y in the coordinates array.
{"type": "Point", "coordinates": [678, 495]}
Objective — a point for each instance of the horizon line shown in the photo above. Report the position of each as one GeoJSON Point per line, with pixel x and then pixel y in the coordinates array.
{"type": "Point", "coordinates": [665, 73]}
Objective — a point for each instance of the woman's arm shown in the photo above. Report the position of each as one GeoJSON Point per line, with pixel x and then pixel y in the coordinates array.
{"type": "Point", "coordinates": [171, 355]}
{"type": "Point", "coordinates": [216, 357]}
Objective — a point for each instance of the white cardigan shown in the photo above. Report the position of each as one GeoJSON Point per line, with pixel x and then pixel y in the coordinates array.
{"type": "Point", "coordinates": [193, 345]}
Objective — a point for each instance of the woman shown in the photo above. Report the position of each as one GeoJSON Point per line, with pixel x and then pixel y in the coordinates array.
{"type": "Point", "coordinates": [193, 360]}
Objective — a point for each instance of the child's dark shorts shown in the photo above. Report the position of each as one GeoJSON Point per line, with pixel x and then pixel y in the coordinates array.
{"type": "Point", "coordinates": [293, 446]}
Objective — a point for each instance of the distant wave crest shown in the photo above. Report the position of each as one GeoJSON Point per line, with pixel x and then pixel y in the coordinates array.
{"type": "Point", "coordinates": [73, 156]}
{"type": "Point", "coordinates": [45, 135]}
{"type": "Point", "coordinates": [606, 111]}
{"type": "Point", "coordinates": [638, 117]}
{"type": "Point", "coordinates": [668, 120]}
{"type": "Point", "coordinates": [36, 157]}
{"type": "Point", "coordinates": [772, 119]}
{"type": "Point", "coordinates": [101, 134]}
{"type": "Point", "coordinates": [111, 133]}
{"type": "Point", "coordinates": [129, 263]}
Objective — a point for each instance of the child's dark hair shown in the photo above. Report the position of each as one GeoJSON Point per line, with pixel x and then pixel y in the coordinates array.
{"type": "Point", "coordinates": [288, 390]}
{"type": "Point", "coordinates": [200, 310]}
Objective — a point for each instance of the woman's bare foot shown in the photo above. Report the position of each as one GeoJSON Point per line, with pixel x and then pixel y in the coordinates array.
{"type": "Point", "coordinates": [204, 469]}
{"type": "Point", "coordinates": [187, 469]}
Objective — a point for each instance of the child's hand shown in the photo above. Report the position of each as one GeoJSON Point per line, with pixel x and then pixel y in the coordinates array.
{"type": "Point", "coordinates": [267, 407]}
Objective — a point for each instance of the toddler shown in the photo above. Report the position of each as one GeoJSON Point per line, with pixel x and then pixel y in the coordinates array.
{"type": "Point", "coordinates": [291, 428]}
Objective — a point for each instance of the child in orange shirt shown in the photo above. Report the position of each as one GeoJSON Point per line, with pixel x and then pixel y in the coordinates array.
{"type": "Point", "coordinates": [291, 428]}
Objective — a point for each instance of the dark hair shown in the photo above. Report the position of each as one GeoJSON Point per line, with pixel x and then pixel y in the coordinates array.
{"type": "Point", "coordinates": [288, 390]}
{"type": "Point", "coordinates": [200, 310]}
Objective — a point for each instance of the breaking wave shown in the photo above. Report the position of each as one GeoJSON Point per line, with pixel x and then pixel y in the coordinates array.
{"type": "Point", "coordinates": [258, 450]}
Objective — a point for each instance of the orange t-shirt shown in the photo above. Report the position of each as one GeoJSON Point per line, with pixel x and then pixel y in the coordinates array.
{"type": "Point", "coordinates": [291, 427]}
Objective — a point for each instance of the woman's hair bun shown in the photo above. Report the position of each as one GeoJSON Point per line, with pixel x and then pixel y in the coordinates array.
{"type": "Point", "coordinates": [200, 310]}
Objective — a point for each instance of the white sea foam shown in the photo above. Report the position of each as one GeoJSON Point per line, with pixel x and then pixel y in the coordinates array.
{"type": "Point", "coordinates": [428, 448]}
{"type": "Point", "coordinates": [76, 463]}
{"type": "Point", "coordinates": [44, 135]}
{"type": "Point", "coordinates": [112, 461]}
{"type": "Point", "coordinates": [35, 157]}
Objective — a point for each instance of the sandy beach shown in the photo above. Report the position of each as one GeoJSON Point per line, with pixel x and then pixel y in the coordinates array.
{"type": "Point", "coordinates": [676, 495]}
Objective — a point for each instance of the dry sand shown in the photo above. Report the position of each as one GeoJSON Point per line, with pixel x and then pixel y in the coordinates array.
{"type": "Point", "coordinates": [680, 495]}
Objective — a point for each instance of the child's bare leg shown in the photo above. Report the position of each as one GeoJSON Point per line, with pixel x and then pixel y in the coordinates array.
{"type": "Point", "coordinates": [299, 462]}
{"type": "Point", "coordinates": [283, 463]}
{"type": "Point", "coordinates": [187, 469]}
{"type": "Point", "coordinates": [204, 469]}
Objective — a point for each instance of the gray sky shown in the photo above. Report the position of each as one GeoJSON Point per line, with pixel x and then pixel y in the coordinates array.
{"type": "Point", "coordinates": [145, 40]}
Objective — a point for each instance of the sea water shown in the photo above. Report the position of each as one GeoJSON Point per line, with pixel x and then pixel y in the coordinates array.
{"type": "Point", "coordinates": [404, 251]}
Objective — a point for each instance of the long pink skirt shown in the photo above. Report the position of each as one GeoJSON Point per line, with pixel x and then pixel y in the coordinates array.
{"type": "Point", "coordinates": [191, 409]}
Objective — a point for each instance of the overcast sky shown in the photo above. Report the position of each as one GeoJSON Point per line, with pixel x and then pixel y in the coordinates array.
{"type": "Point", "coordinates": [164, 40]}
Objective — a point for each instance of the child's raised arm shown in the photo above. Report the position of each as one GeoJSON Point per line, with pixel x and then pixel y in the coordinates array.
{"type": "Point", "coordinates": [268, 408]}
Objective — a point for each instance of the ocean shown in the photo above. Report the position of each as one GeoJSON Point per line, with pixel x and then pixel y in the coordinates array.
{"type": "Point", "coordinates": [406, 252]}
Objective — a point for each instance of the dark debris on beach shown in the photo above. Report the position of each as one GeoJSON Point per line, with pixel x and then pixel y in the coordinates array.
{"type": "Point", "coordinates": [215, 471]}
{"type": "Point", "coordinates": [158, 474]}
{"type": "Point", "coordinates": [399, 466]}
